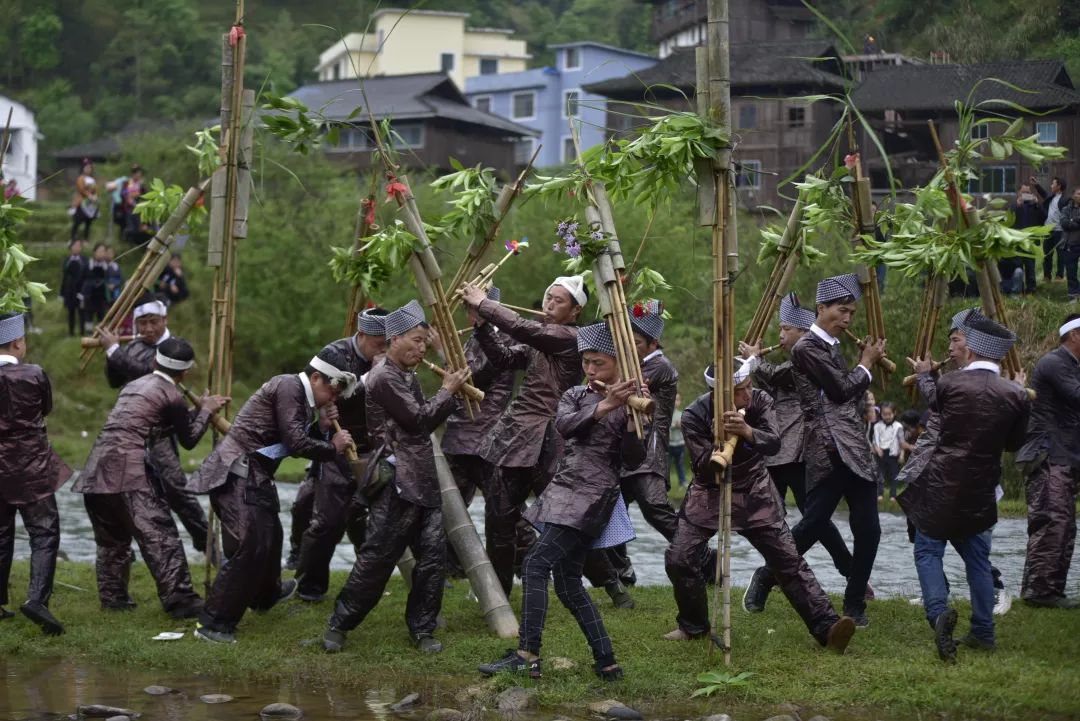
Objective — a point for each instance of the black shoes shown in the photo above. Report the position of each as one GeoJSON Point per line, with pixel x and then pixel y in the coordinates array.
{"type": "Point", "coordinates": [310, 597]}
{"type": "Point", "coordinates": [6, 614]}
{"type": "Point", "coordinates": [293, 560]}
{"type": "Point", "coordinates": [973, 641]}
{"type": "Point", "coordinates": [840, 634]}
{"type": "Point", "coordinates": [333, 640]}
{"type": "Point", "coordinates": [39, 614]}
{"type": "Point", "coordinates": [1053, 602]}
{"type": "Point", "coordinates": [858, 615]}
{"type": "Point", "coordinates": [206, 634]}
{"type": "Point", "coordinates": [619, 595]}
{"type": "Point", "coordinates": [428, 644]}
{"type": "Point", "coordinates": [943, 635]}
{"type": "Point", "coordinates": [513, 662]}
{"type": "Point", "coordinates": [191, 610]}
{"type": "Point", "coordinates": [128, 605]}
{"type": "Point", "coordinates": [757, 592]}
{"type": "Point", "coordinates": [611, 674]}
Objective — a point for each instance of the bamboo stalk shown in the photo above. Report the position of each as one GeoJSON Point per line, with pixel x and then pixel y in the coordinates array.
{"type": "Point", "coordinates": [780, 278]}
{"type": "Point", "coordinates": [220, 425]}
{"type": "Point", "coordinates": [474, 393]}
{"type": "Point", "coordinates": [885, 361]}
{"type": "Point", "coordinates": [642, 405]}
{"type": "Point", "coordinates": [935, 367]}
{"type": "Point", "coordinates": [98, 342]}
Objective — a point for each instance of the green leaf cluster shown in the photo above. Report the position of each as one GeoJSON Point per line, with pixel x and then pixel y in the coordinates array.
{"type": "Point", "coordinates": [207, 150]}
{"type": "Point", "coordinates": [718, 680]}
{"type": "Point", "coordinates": [15, 286]}
{"type": "Point", "coordinates": [645, 284]}
{"type": "Point", "coordinates": [292, 122]}
{"type": "Point", "coordinates": [472, 208]}
{"type": "Point", "coordinates": [160, 201]}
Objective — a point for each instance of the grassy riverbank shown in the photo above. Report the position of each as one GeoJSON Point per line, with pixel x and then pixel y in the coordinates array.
{"type": "Point", "coordinates": [890, 670]}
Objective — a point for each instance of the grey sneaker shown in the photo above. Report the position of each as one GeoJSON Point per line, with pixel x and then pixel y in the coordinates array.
{"type": "Point", "coordinates": [619, 595]}
{"type": "Point", "coordinates": [333, 640]}
{"type": "Point", "coordinates": [206, 634]}
{"type": "Point", "coordinates": [428, 644]}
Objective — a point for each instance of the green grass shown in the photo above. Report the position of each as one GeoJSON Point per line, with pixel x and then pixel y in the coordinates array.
{"type": "Point", "coordinates": [890, 670]}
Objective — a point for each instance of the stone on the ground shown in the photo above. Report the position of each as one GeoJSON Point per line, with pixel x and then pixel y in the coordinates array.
{"type": "Point", "coordinates": [475, 692]}
{"type": "Point", "coordinates": [96, 710]}
{"type": "Point", "coordinates": [717, 717]}
{"type": "Point", "coordinates": [615, 709]}
{"type": "Point", "coordinates": [514, 700]}
{"type": "Point", "coordinates": [561, 663]}
{"type": "Point", "coordinates": [820, 718]}
{"type": "Point", "coordinates": [157, 690]}
{"type": "Point", "coordinates": [281, 710]}
{"type": "Point", "coordinates": [118, 718]}
{"type": "Point", "coordinates": [216, 698]}
{"type": "Point", "coordinates": [408, 701]}
{"type": "Point", "coordinates": [782, 717]}
{"type": "Point", "coordinates": [445, 714]}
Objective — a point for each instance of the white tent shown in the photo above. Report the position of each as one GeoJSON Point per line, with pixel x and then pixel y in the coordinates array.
{"type": "Point", "coordinates": [20, 163]}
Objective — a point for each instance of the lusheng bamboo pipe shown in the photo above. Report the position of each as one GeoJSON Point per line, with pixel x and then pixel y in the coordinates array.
{"type": "Point", "coordinates": [884, 361]}
{"type": "Point", "coordinates": [522, 309]}
{"type": "Point", "coordinates": [638, 403]}
{"type": "Point", "coordinates": [910, 380]}
{"type": "Point", "coordinates": [220, 424]}
{"type": "Point", "coordinates": [471, 391]}
{"type": "Point", "coordinates": [721, 459]}
{"type": "Point", "coordinates": [97, 342]}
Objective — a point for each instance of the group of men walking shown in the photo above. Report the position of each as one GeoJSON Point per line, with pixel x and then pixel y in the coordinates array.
{"type": "Point", "coordinates": [570, 444]}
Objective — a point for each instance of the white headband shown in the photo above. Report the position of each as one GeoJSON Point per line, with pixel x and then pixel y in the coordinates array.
{"type": "Point", "coordinates": [154, 307]}
{"type": "Point", "coordinates": [171, 363]}
{"type": "Point", "coordinates": [338, 378]}
{"type": "Point", "coordinates": [1071, 325]}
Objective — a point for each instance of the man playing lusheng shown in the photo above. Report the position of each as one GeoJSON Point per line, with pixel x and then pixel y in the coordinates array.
{"type": "Point", "coordinates": [579, 507]}
{"type": "Point", "coordinates": [119, 499]}
{"type": "Point", "coordinates": [289, 415]}
{"type": "Point", "coordinates": [125, 363]}
{"type": "Point", "coordinates": [953, 499]}
{"type": "Point", "coordinates": [524, 445]}
{"type": "Point", "coordinates": [407, 512]}
{"type": "Point", "coordinates": [839, 463]}
{"type": "Point", "coordinates": [1051, 456]}
{"type": "Point", "coordinates": [757, 513]}
{"type": "Point", "coordinates": [30, 474]}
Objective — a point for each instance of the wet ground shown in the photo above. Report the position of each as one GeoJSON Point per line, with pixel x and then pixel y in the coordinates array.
{"type": "Point", "coordinates": [894, 570]}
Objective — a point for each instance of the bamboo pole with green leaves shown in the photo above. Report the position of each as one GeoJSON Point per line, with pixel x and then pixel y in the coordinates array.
{"type": "Point", "coordinates": [780, 279]}
{"type": "Point", "coordinates": [365, 225]}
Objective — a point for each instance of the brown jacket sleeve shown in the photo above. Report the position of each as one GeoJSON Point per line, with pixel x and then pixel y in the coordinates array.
{"type": "Point", "coordinates": [545, 337]}
{"type": "Point", "coordinates": [763, 423]}
{"type": "Point", "coordinates": [294, 425]}
{"type": "Point", "coordinates": [398, 400]}
{"type": "Point", "coordinates": [698, 434]}
{"type": "Point", "coordinates": [187, 425]}
{"type": "Point", "coordinates": [570, 418]}
{"type": "Point", "coordinates": [840, 385]}
{"type": "Point", "coordinates": [502, 355]}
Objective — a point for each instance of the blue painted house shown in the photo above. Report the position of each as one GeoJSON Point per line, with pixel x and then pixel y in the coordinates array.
{"type": "Point", "coordinates": [545, 99]}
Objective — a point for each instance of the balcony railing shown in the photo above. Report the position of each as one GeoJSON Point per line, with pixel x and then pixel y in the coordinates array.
{"type": "Point", "coordinates": [674, 15]}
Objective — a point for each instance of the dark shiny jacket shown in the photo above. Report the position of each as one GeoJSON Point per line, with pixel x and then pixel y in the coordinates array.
{"type": "Point", "coordinates": [778, 380]}
{"type": "Point", "coordinates": [130, 361]}
{"type": "Point", "coordinates": [982, 414]}
{"type": "Point", "coordinates": [586, 484]}
{"type": "Point", "coordinates": [924, 447]}
{"type": "Point", "coordinates": [524, 437]}
{"type": "Point", "coordinates": [829, 395]}
{"type": "Point", "coordinates": [409, 423]}
{"type": "Point", "coordinates": [30, 470]}
{"type": "Point", "coordinates": [71, 283]}
{"type": "Point", "coordinates": [1055, 414]}
{"type": "Point", "coordinates": [147, 406]}
{"type": "Point", "coordinates": [352, 415]}
{"type": "Point", "coordinates": [754, 500]}
{"type": "Point", "coordinates": [465, 436]}
{"type": "Point", "coordinates": [663, 381]}
{"type": "Point", "coordinates": [278, 412]}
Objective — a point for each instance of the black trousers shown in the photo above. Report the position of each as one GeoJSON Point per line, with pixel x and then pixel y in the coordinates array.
{"type": "Point", "coordinates": [395, 525]}
{"type": "Point", "coordinates": [471, 473]}
{"type": "Point", "coordinates": [142, 516]}
{"type": "Point", "coordinates": [42, 523]}
{"type": "Point", "coordinates": [251, 538]}
{"type": "Point", "coordinates": [559, 554]}
{"type": "Point", "coordinates": [650, 492]}
{"type": "Point", "coordinates": [1051, 501]}
{"type": "Point", "coordinates": [682, 560]}
{"type": "Point", "coordinates": [821, 502]}
{"type": "Point", "coordinates": [164, 461]}
{"type": "Point", "coordinates": [80, 218]}
{"type": "Point", "coordinates": [302, 509]}
{"type": "Point", "coordinates": [336, 512]}
{"type": "Point", "coordinates": [1050, 248]}
{"type": "Point", "coordinates": [793, 476]}
{"type": "Point", "coordinates": [508, 489]}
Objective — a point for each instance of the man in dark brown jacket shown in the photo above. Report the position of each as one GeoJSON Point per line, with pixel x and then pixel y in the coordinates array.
{"type": "Point", "coordinates": [839, 462]}
{"type": "Point", "coordinates": [407, 511]}
{"type": "Point", "coordinates": [787, 468]}
{"type": "Point", "coordinates": [337, 508]}
{"type": "Point", "coordinates": [524, 446]}
{"type": "Point", "coordinates": [581, 509]}
{"type": "Point", "coordinates": [953, 499]}
{"type": "Point", "coordinates": [125, 363]}
{"type": "Point", "coordinates": [1051, 457]}
{"type": "Point", "coordinates": [30, 473]}
{"type": "Point", "coordinates": [757, 513]}
{"type": "Point", "coordinates": [119, 499]}
{"type": "Point", "coordinates": [290, 415]}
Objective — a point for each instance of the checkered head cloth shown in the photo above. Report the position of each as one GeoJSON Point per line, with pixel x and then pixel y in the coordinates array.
{"type": "Point", "coordinates": [494, 294]}
{"type": "Point", "coordinates": [837, 287]}
{"type": "Point", "coordinates": [595, 337]}
{"type": "Point", "coordinates": [647, 318]}
{"type": "Point", "coordinates": [12, 327]}
{"type": "Point", "coordinates": [961, 319]}
{"type": "Point", "coordinates": [793, 314]}
{"type": "Point", "coordinates": [988, 339]}
{"type": "Point", "coordinates": [372, 322]}
{"type": "Point", "coordinates": [404, 319]}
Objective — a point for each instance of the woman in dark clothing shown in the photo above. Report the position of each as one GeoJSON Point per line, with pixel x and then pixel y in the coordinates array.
{"type": "Point", "coordinates": [71, 284]}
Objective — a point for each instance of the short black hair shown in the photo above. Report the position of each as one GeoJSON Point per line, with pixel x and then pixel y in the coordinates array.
{"type": "Point", "coordinates": [910, 417]}
{"type": "Point", "coordinates": [1061, 183]}
{"type": "Point", "coordinates": [377, 310]}
{"type": "Point", "coordinates": [331, 355]}
{"type": "Point", "coordinates": [888, 404]}
{"type": "Point", "coordinates": [846, 300]}
{"type": "Point", "coordinates": [178, 349]}
{"type": "Point", "coordinates": [73, 241]}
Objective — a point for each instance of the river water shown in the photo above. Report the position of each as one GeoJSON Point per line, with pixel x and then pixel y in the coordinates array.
{"type": "Point", "coordinates": [894, 570]}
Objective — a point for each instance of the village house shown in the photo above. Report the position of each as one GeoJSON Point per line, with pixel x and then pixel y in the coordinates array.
{"type": "Point", "coordinates": [20, 161]}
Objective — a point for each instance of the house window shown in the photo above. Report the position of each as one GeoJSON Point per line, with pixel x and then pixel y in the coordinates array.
{"type": "Point", "coordinates": [408, 136]}
{"type": "Point", "coordinates": [1047, 133]}
{"type": "Point", "coordinates": [447, 62]}
{"type": "Point", "coordinates": [978, 132]}
{"type": "Point", "coordinates": [571, 58]}
{"type": "Point", "coordinates": [749, 175]}
{"type": "Point", "coordinates": [337, 71]}
{"type": "Point", "coordinates": [570, 103]}
{"type": "Point", "coordinates": [482, 103]}
{"type": "Point", "coordinates": [994, 179]}
{"type": "Point", "coordinates": [523, 150]}
{"type": "Point", "coordinates": [569, 151]}
{"type": "Point", "coordinates": [796, 117]}
{"type": "Point", "coordinates": [523, 106]}
{"type": "Point", "coordinates": [352, 138]}
{"type": "Point", "coordinates": [748, 117]}
{"type": "Point", "coordinates": [489, 66]}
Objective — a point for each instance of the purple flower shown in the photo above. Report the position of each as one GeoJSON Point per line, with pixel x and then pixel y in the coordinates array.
{"type": "Point", "coordinates": [573, 250]}
{"type": "Point", "coordinates": [561, 227]}
{"type": "Point", "coordinates": [556, 247]}
{"type": "Point", "coordinates": [573, 227]}
{"type": "Point", "coordinates": [597, 235]}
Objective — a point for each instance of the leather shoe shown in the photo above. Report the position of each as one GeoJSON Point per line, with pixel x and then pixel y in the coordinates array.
{"type": "Point", "coordinates": [757, 591]}
{"type": "Point", "coordinates": [840, 634]}
{"type": "Point", "coordinates": [973, 641]}
{"type": "Point", "coordinates": [39, 614]}
{"type": "Point", "coordinates": [943, 635]}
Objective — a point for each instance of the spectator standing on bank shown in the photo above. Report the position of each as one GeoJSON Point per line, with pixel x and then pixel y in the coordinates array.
{"type": "Point", "coordinates": [1017, 273]}
{"type": "Point", "coordinates": [84, 206]}
{"type": "Point", "coordinates": [1052, 203]}
{"type": "Point", "coordinates": [888, 433]}
{"type": "Point", "coordinates": [71, 283]}
{"type": "Point", "coordinates": [172, 283]}
{"type": "Point", "coordinates": [676, 444]}
{"type": "Point", "coordinates": [1070, 228]}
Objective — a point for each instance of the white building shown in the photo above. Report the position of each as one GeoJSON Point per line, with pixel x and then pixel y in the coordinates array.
{"type": "Point", "coordinates": [20, 162]}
